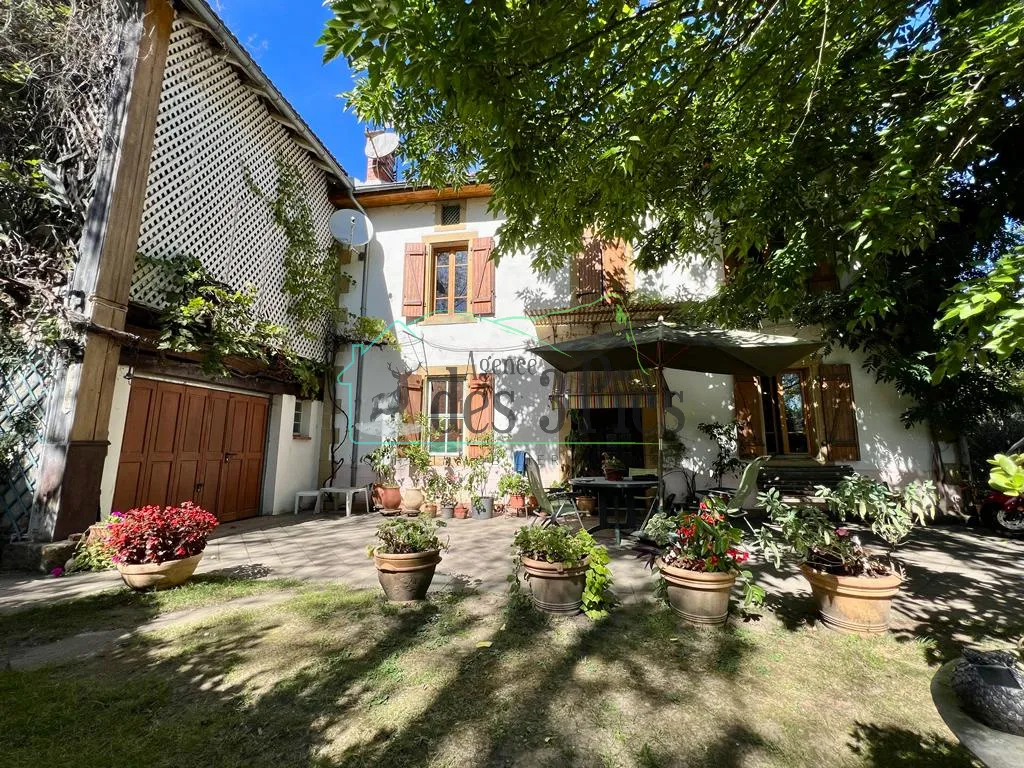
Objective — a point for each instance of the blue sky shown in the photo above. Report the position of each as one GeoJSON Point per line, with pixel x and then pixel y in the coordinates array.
{"type": "Point", "coordinates": [281, 36]}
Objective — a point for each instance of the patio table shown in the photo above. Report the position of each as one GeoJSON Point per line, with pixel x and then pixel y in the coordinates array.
{"type": "Point", "coordinates": [620, 491]}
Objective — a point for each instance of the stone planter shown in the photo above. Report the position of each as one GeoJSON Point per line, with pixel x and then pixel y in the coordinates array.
{"type": "Point", "coordinates": [159, 575]}
{"type": "Point", "coordinates": [700, 598]}
{"type": "Point", "coordinates": [406, 577]}
{"type": "Point", "coordinates": [586, 504]}
{"type": "Point", "coordinates": [447, 513]}
{"type": "Point", "coordinates": [853, 603]}
{"type": "Point", "coordinates": [387, 496]}
{"type": "Point", "coordinates": [412, 500]}
{"type": "Point", "coordinates": [556, 588]}
{"type": "Point", "coordinates": [483, 508]}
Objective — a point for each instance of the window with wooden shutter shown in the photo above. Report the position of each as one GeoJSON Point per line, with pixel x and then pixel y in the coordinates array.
{"type": "Point", "coordinates": [840, 442]}
{"type": "Point", "coordinates": [747, 404]}
{"type": "Point", "coordinates": [413, 280]}
{"type": "Point", "coordinates": [482, 270]}
{"type": "Point", "coordinates": [410, 394]}
{"type": "Point", "coordinates": [479, 411]}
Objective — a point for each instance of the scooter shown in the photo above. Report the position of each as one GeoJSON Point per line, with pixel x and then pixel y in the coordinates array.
{"type": "Point", "coordinates": [1003, 513]}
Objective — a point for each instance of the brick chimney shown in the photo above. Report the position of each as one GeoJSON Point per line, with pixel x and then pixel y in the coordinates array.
{"type": "Point", "coordinates": [379, 170]}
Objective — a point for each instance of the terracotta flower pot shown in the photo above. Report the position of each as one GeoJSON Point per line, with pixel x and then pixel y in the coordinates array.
{"type": "Point", "coordinates": [531, 502]}
{"type": "Point", "coordinates": [855, 604]}
{"type": "Point", "coordinates": [556, 588]}
{"type": "Point", "coordinates": [461, 511]}
{"type": "Point", "coordinates": [613, 474]}
{"type": "Point", "coordinates": [159, 575]}
{"type": "Point", "coordinates": [586, 504]}
{"type": "Point", "coordinates": [412, 499]}
{"type": "Point", "coordinates": [429, 509]}
{"type": "Point", "coordinates": [406, 577]}
{"type": "Point", "coordinates": [387, 496]}
{"type": "Point", "coordinates": [698, 597]}
{"type": "Point", "coordinates": [516, 501]}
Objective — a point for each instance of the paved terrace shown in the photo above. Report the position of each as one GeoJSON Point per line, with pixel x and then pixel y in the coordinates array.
{"type": "Point", "coordinates": [963, 583]}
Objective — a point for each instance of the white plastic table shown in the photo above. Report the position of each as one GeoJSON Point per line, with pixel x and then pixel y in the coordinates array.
{"type": "Point", "coordinates": [350, 493]}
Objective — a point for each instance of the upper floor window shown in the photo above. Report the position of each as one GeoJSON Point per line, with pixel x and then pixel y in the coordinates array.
{"type": "Point", "coordinates": [450, 281]}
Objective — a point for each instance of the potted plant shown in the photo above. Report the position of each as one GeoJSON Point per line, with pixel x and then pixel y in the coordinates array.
{"type": "Point", "coordinates": [612, 467]}
{"type": "Point", "coordinates": [434, 488]}
{"type": "Point", "coordinates": [515, 486]}
{"type": "Point", "coordinates": [406, 555]}
{"type": "Point", "coordinates": [387, 494]}
{"type": "Point", "coordinates": [567, 572]}
{"type": "Point", "coordinates": [699, 557]}
{"type": "Point", "coordinates": [158, 547]}
{"type": "Point", "coordinates": [419, 465]}
{"type": "Point", "coordinates": [481, 502]}
{"type": "Point", "coordinates": [853, 587]}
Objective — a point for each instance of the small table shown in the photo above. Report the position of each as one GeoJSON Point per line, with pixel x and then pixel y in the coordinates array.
{"type": "Point", "coordinates": [349, 492]}
{"type": "Point", "coordinates": [621, 491]}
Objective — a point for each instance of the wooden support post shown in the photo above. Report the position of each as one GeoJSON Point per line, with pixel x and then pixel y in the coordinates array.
{"type": "Point", "coordinates": [78, 413]}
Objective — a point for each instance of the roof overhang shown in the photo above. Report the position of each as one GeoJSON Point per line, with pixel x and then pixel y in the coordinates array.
{"type": "Point", "coordinates": [199, 14]}
{"type": "Point", "coordinates": [405, 193]}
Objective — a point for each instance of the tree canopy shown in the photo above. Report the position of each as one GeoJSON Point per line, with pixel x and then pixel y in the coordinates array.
{"type": "Point", "coordinates": [881, 138]}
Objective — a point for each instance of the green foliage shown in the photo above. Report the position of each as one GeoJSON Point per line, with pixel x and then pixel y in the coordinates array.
{"type": "Point", "coordinates": [879, 138]}
{"type": "Point", "coordinates": [367, 330]}
{"type": "Point", "coordinates": [818, 537]}
{"type": "Point", "coordinates": [419, 460]}
{"type": "Point", "coordinates": [986, 316]}
{"type": "Point", "coordinates": [92, 554]}
{"type": "Point", "coordinates": [513, 484]}
{"type": "Point", "coordinates": [382, 460]}
{"type": "Point", "coordinates": [556, 544]}
{"type": "Point", "coordinates": [403, 535]}
{"type": "Point", "coordinates": [726, 437]}
{"type": "Point", "coordinates": [1007, 474]}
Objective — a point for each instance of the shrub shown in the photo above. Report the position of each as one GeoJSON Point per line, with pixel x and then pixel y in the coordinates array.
{"type": "Point", "coordinates": [158, 534]}
{"type": "Point", "coordinates": [401, 535]}
{"type": "Point", "coordinates": [513, 484]}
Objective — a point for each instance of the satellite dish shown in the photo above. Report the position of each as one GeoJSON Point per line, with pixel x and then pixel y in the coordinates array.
{"type": "Point", "coordinates": [381, 144]}
{"type": "Point", "coordinates": [350, 227]}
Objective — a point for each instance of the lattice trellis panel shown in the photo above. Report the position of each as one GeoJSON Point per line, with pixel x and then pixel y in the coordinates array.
{"type": "Point", "coordinates": [210, 129]}
{"type": "Point", "coordinates": [23, 390]}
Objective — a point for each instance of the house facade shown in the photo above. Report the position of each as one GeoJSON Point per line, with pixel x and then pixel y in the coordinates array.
{"type": "Point", "coordinates": [464, 325]}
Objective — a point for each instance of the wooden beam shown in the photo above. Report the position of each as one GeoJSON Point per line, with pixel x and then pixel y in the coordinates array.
{"type": "Point", "coordinates": [368, 197]}
{"type": "Point", "coordinates": [78, 413]}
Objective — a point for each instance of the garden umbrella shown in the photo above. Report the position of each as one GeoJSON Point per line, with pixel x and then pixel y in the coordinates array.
{"type": "Point", "coordinates": [664, 345]}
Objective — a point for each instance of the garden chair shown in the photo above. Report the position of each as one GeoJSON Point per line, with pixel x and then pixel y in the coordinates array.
{"type": "Point", "coordinates": [556, 505]}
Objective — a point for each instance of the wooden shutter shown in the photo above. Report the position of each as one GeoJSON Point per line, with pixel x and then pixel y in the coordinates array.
{"type": "Point", "coordinates": [730, 265]}
{"type": "Point", "coordinates": [587, 271]}
{"type": "Point", "coordinates": [410, 397]}
{"type": "Point", "coordinates": [747, 402]}
{"type": "Point", "coordinates": [479, 411]}
{"type": "Point", "coordinates": [482, 269]}
{"type": "Point", "coordinates": [413, 284]}
{"type": "Point", "coordinates": [837, 409]}
{"type": "Point", "coordinates": [823, 279]}
{"type": "Point", "coordinates": [615, 269]}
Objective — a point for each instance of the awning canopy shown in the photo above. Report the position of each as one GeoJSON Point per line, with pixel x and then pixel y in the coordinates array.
{"type": "Point", "coordinates": [608, 389]}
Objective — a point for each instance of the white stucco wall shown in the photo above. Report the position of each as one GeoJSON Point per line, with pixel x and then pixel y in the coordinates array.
{"type": "Point", "coordinates": [292, 463]}
{"type": "Point", "coordinates": [888, 450]}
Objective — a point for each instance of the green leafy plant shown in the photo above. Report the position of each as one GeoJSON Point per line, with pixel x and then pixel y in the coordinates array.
{"type": "Point", "coordinates": [419, 461]}
{"type": "Point", "coordinates": [92, 552]}
{"type": "Point", "coordinates": [724, 436]}
{"type": "Point", "coordinates": [382, 461]}
{"type": "Point", "coordinates": [403, 535]}
{"type": "Point", "coordinates": [556, 544]}
{"type": "Point", "coordinates": [1007, 474]}
{"type": "Point", "coordinates": [819, 537]}
{"type": "Point", "coordinates": [703, 541]}
{"type": "Point", "coordinates": [513, 484]}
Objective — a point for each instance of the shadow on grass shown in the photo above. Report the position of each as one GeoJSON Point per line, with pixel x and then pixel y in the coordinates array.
{"type": "Point", "coordinates": [884, 747]}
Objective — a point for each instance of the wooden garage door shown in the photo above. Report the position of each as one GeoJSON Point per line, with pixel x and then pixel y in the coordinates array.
{"type": "Point", "coordinates": [190, 443]}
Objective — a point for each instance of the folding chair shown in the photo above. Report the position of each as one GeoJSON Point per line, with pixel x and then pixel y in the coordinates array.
{"type": "Point", "coordinates": [556, 505]}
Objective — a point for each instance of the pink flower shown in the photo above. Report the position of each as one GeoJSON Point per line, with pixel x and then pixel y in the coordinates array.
{"type": "Point", "coordinates": [841, 532]}
{"type": "Point", "coordinates": [58, 571]}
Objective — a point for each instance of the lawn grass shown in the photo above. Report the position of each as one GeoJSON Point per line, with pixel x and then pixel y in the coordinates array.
{"type": "Point", "coordinates": [125, 608]}
{"type": "Point", "coordinates": [332, 676]}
